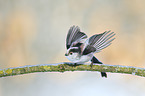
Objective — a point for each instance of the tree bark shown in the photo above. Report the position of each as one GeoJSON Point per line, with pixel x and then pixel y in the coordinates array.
{"type": "Point", "coordinates": [65, 66]}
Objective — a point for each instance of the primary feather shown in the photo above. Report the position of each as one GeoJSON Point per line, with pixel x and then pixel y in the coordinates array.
{"type": "Point", "coordinates": [74, 36]}
{"type": "Point", "coordinates": [101, 41]}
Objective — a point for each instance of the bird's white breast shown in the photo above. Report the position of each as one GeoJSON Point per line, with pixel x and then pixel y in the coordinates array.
{"type": "Point", "coordinates": [79, 59]}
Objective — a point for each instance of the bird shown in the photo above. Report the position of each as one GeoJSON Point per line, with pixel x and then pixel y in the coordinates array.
{"type": "Point", "coordinates": [81, 49]}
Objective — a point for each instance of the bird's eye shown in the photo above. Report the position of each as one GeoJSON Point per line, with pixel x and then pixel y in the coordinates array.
{"type": "Point", "coordinates": [71, 53]}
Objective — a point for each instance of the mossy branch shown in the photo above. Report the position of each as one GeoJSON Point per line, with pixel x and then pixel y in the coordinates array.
{"type": "Point", "coordinates": [62, 67]}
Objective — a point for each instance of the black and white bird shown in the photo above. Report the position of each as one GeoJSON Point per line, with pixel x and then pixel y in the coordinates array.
{"type": "Point", "coordinates": [81, 50]}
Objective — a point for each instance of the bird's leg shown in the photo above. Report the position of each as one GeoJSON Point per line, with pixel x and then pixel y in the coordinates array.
{"type": "Point", "coordinates": [91, 64]}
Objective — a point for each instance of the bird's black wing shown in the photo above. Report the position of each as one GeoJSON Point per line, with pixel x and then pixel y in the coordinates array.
{"type": "Point", "coordinates": [74, 36]}
{"type": "Point", "coordinates": [101, 41]}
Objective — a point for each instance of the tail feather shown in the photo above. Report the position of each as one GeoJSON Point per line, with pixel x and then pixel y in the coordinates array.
{"type": "Point", "coordinates": [103, 74]}
{"type": "Point", "coordinates": [95, 60]}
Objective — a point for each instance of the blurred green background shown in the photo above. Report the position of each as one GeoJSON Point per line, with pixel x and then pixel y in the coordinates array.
{"type": "Point", "coordinates": [34, 31]}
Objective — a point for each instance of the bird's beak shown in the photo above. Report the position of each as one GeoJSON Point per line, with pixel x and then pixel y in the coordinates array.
{"type": "Point", "coordinates": [66, 54]}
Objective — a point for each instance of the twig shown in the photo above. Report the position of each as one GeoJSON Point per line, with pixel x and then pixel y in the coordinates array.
{"type": "Point", "coordinates": [65, 66]}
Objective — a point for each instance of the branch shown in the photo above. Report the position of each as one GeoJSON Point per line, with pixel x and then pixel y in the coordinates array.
{"type": "Point", "coordinates": [62, 67]}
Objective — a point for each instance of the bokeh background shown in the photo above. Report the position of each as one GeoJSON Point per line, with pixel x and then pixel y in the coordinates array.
{"type": "Point", "coordinates": [34, 31]}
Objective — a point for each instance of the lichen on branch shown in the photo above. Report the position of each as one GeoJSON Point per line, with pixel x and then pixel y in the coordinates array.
{"type": "Point", "coordinates": [65, 66]}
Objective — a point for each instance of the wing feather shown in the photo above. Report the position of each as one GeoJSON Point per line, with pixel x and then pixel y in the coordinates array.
{"type": "Point", "coordinates": [88, 50]}
{"type": "Point", "coordinates": [74, 36]}
{"type": "Point", "coordinates": [101, 41]}
{"type": "Point", "coordinates": [105, 39]}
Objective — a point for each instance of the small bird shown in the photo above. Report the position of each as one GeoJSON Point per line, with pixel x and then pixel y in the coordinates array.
{"type": "Point", "coordinates": [81, 50]}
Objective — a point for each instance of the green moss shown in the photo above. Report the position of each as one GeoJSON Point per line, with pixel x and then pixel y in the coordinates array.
{"type": "Point", "coordinates": [140, 72]}
{"type": "Point", "coordinates": [16, 71]}
{"type": "Point", "coordinates": [8, 71]}
{"type": "Point", "coordinates": [61, 68]}
{"type": "Point", "coordinates": [1, 73]}
{"type": "Point", "coordinates": [46, 68]}
{"type": "Point", "coordinates": [82, 67]}
{"type": "Point", "coordinates": [34, 68]}
{"type": "Point", "coordinates": [72, 67]}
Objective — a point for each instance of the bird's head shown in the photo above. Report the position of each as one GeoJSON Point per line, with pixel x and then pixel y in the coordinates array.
{"type": "Point", "coordinates": [73, 53]}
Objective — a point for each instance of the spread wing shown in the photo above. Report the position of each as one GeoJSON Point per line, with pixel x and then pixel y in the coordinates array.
{"type": "Point", "coordinates": [74, 36]}
{"type": "Point", "coordinates": [99, 42]}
